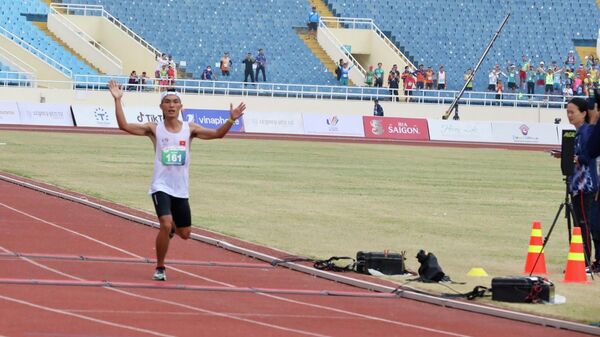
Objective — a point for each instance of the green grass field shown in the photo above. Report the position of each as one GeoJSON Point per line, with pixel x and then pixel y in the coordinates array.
{"type": "Point", "coordinates": [471, 207]}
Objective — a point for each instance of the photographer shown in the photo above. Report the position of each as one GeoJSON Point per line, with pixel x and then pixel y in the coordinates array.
{"type": "Point", "coordinates": [583, 183]}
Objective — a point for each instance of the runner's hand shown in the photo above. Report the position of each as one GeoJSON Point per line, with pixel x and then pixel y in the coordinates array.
{"type": "Point", "coordinates": [237, 112]}
{"type": "Point", "coordinates": [115, 89]}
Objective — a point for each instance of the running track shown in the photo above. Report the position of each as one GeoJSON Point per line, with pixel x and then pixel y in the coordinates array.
{"type": "Point", "coordinates": [47, 291]}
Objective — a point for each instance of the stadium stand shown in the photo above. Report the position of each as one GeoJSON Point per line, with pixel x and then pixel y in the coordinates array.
{"type": "Point", "coordinates": [456, 33]}
{"type": "Point", "coordinates": [203, 30]}
{"type": "Point", "coordinates": [14, 18]}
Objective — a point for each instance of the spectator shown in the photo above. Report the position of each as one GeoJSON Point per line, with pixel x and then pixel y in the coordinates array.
{"type": "Point", "coordinates": [408, 84]}
{"type": "Point", "coordinates": [531, 76]}
{"type": "Point", "coordinates": [570, 58]}
{"type": "Point", "coordinates": [590, 61]}
{"type": "Point", "coordinates": [133, 81]}
{"type": "Point", "coordinates": [225, 65]}
{"type": "Point", "coordinates": [541, 75]}
{"type": "Point", "coordinates": [583, 183]}
{"type": "Point", "coordinates": [466, 77]}
{"type": "Point", "coordinates": [345, 71]}
{"type": "Point", "coordinates": [499, 91]}
{"type": "Point", "coordinates": [588, 85]}
{"type": "Point", "coordinates": [164, 78]}
{"type": "Point", "coordinates": [420, 74]}
{"type": "Point", "coordinates": [523, 69]}
{"type": "Point", "coordinates": [171, 74]}
{"type": "Point", "coordinates": [569, 78]}
{"type": "Point", "coordinates": [161, 60]}
{"type": "Point", "coordinates": [248, 62]}
{"type": "Point", "coordinates": [378, 72]}
{"type": "Point", "coordinates": [549, 81]}
{"type": "Point", "coordinates": [512, 77]}
{"type": "Point", "coordinates": [377, 109]}
{"type": "Point", "coordinates": [208, 74]}
{"type": "Point", "coordinates": [581, 72]}
{"type": "Point", "coordinates": [429, 75]}
{"type": "Point", "coordinates": [145, 82]}
{"type": "Point", "coordinates": [313, 22]}
{"type": "Point", "coordinates": [492, 80]}
{"type": "Point", "coordinates": [393, 72]}
{"type": "Point", "coordinates": [441, 79]}
{"type": "Point", "coordinates": [261, 62]}
{"type": "Point", "coordinates": [338, 69]}
{"type": "Point", "coordinates": [369, 76]}
{"type": "Point", "coordinates": [557, 79]}
{"type": "Point", "coordinates": [394, 83]}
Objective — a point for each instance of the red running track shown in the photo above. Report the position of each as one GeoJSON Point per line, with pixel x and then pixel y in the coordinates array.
{"type": "Point", "coordinates": [215, 304]}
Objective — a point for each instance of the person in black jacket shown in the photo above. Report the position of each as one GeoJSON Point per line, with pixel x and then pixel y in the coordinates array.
{"type": "Point", "coordinates": [248, 71]}
{"type": "Point", "coordinates": [377, 109]}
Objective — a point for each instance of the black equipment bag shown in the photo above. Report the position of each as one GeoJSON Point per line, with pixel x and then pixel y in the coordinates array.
{"type": "Point", "coordinates": [384, 262]}
{"type": "Point", "coordinates": [522, 289]}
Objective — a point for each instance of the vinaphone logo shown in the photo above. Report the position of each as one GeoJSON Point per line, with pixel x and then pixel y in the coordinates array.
{"type": "Point", "coordinates": [524, 129]}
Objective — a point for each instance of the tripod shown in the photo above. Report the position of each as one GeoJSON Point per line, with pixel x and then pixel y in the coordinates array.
{"type": "Point", "coordinates": [570, 215]}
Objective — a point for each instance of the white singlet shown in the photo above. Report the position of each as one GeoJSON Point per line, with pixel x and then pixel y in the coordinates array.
{"type": "Point", "coordinates": [171, 161]}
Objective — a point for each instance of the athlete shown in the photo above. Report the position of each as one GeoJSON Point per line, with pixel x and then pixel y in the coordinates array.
{"type": "Point", "coordinates": [169, 189]}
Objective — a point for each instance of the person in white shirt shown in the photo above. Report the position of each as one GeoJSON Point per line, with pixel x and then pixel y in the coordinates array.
{"type": "Point", "coordinates": [441, 79]}
{"type": "Point", "coordinates": [169, 189]}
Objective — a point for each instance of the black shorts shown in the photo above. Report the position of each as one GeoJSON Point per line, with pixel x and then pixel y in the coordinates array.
{"type": "Point", "coordinates": [512, 85]}
{"type": "Point", "coordinates": [313, 25]}
{"type": "Point", "coordinates": [178, 208]}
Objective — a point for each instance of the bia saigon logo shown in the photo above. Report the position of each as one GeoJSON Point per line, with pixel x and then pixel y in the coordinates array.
{"type": "Point", "coordinates": [376, 127]}
{"type": "Point", "coordinates": [524, 129]}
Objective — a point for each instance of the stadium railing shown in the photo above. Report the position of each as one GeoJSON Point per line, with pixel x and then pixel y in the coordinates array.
{"type": "Point", "coordinates": [303, 91]}
{"type": "Point", "coordinates": [365, 23]}
{"type": "Point", "coordinates": [52, 62]}
{"type": "Point", "coordinates": [98, 10]}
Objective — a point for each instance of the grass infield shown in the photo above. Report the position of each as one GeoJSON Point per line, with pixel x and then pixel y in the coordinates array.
{"type": "Point", "coordinates": [470, 207]}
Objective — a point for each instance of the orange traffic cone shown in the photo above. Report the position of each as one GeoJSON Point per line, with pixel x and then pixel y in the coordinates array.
{"type": "Point", "coordinates": [535, 250]}
{"type": "Point", "coordinates": [575, 271]}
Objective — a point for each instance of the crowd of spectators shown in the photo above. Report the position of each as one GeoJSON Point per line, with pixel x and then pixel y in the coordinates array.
{"type": "Point", "coordinates": [564, 79]}
{"type": "Point", "coordinates": [556, 78]}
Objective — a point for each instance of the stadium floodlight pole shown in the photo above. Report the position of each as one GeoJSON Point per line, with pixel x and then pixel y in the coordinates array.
{"type": "Point", "coordinates": [454, 105]}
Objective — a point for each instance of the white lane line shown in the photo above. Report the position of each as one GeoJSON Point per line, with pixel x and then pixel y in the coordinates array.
{"type": "Point", "coordinates": [87, 318]}
{"type": "Point", "coordinates": [197, 309]}
{"type": "Point", "coordinates": [187, 313]}
{"type": "Point", "coordinates": [72, 231]}
{"type": "Point", "coordinates": [351, 313]}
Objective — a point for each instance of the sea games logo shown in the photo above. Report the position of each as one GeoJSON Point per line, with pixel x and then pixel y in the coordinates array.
{"type": "Point", "coordinates": [332, 123]}
{"type": "Point", "coordinates": [525, 136]}
{"type": "Point", "coordinates": [396, 128]}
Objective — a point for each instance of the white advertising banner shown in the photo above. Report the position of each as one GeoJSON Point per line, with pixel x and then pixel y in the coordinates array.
{"type": "Point", "coordinates": [94, 116]}
{"type": "Point", "coordinates": [45, 114]}
{"type": "Point", "coordinates": [9, 113]}
{"type": "Point", "coordinates": [144, 114]}
{"type": "Point", "coordinates": [333, 125]}
{"type": "Point", "coordinates": [525, 133]}
{"type": "Point", "coordinates": [461, 131]}
{"type": "Point", "coordinates": [274, 122]}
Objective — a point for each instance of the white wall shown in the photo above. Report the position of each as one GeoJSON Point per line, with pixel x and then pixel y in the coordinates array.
{"type": "Point", "coordinates": [283, 105]}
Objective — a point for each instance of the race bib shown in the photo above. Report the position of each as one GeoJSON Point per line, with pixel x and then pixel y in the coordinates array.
{"type": "Point", "coordinates": [173, 156]}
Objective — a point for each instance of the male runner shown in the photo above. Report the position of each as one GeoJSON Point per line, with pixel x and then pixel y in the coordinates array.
{"type": "Point", "coordinates": [169, 189]}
